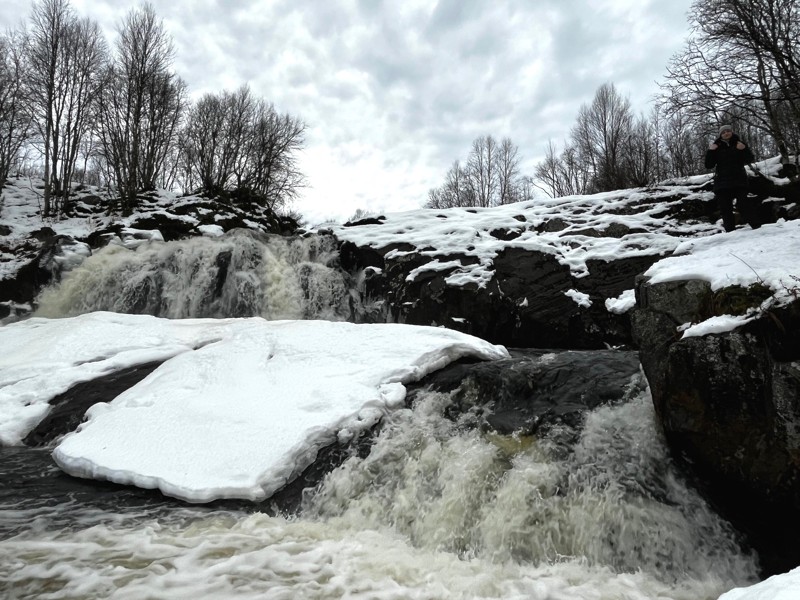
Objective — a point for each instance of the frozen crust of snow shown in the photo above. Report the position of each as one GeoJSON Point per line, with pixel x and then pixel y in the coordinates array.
{"type": "Point", "coordinates": [239, 406]}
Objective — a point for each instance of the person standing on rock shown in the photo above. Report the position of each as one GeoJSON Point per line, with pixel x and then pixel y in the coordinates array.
{"type": "Point", "coordinates": [728, 155]}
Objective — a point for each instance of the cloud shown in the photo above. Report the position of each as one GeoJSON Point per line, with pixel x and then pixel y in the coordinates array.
{"type": "Point", "coordinates": [394, 92]}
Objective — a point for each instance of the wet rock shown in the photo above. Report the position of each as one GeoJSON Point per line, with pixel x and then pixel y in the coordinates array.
{"type": "Point", "coordinates": [43, 262]}
{"type": "Point", "coordinates": [535, 389]}
{"type": "Point", "coordinates": [68, 408]}
{"type": "Point", "coordinates": [730, 406]}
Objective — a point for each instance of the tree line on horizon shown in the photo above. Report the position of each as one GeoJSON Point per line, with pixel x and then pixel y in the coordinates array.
{"type": "Point", "coordinates": [740, 66]}
{"type": "Point", "coordinates": [74, 109]}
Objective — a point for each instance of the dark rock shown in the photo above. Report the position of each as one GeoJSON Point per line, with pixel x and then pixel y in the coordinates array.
{"type": "Point", "coordinates": [44, 234]}
{"type": "Point", "coordinates": [523, 305]}
{"type": "Point", "coordinates": [101, 237]}
{"type": "Point", "coordinates": [535, 389]}
{"type": "Point", "coordinates": [729, 406]}
{"type": "Point", "coordinates": [5, 230]}
{"type": "Point", "coordinates": [366, 221]}
{"type": "Point", "coordinates": [355, 258]}
{"type": "Point", "coordinates": [553, 225]}
{"type": "Point", "coordinates": [68, 408]}
{"type": "Point", "coordinates": [171, 229]}
{"type": "Point", "coordinates": [41, 269]}
{"type": "Point", "coordinates": [23, 285]}
{"type": "Point", "coordinates": [505, 234]}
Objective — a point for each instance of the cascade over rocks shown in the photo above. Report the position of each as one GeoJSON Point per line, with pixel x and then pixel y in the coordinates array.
{"type": "Point", "coordinates": [535, 389]}
{"type": "Point", "coordinates": [728, 402]}
{"type": "Point", "coordinates": [43, 255]}
{"type": "Point", "coordinates": [729, 406]}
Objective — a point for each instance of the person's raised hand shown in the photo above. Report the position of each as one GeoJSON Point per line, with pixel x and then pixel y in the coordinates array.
{"type": "Point", "coordinates": [740, 146]}
{"type": "Point", "coordinates": [713, 147]}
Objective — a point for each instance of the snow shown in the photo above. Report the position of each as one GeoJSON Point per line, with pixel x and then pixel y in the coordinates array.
{"type": "Point", "coordinates": [778, 587]}
{"type": "Point", "coordinates": [237, 409]}
{"type": "Point", "coordinates": [133, 238]}
{"type": "Point", "coordinates": [631, 223]}
{"type": "Point", "coordinates": [621, 304]}
{"type": "Point", "coordinates": [717, 324]}
{"type": "Point", "coordinates": [768, 255]}
{"type": "Point", "coordinates": [211, 230]}
{"type": "Point", "coordinates": [579, 298]}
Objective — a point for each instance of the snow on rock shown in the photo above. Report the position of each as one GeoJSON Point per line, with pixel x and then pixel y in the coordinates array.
{"type": "Point", "coordinates": [239, 406]}
{"type": "Point", "coordinates": [779, 587]}
{"type": "Point", "coordinates": [42, 358]}
{"type": "Point", "coordinates": [579, 298]}
{"type": "Point", "coordinates": [768, 255]}
{"type": "Point", "coordinates": [634, 222]}
{"type": "Point", "coordinates": [211, 230]}
{"type": "Point", "coordinates": [621, 304]}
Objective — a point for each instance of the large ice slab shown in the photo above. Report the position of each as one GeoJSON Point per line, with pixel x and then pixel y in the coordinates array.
{"type": "Point", "coordinates": [41, 358]}
{"type": "Point", "coordinates": [237, 417]}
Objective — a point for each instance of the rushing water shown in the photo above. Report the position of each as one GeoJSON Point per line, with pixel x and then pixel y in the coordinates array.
{"type": "Point", "coordinates": [241, 274]}
{"type": "Point", "coordinates": [438, 510]}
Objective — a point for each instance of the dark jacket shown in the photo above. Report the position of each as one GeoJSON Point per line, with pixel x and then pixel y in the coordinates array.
{"type": "Point", "coordinates": [729, 163]}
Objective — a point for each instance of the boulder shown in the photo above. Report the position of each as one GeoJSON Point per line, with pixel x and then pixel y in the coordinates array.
{"type": "Point", "coordinates": [522, 306]}
{"type": "Point", "coordinates": [534, 390]}
{"type": "Point", "coordinates": [729, 405]}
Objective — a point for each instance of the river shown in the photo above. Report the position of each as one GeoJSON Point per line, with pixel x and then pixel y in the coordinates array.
{"type": "Point", "coordinates": [437, 510]}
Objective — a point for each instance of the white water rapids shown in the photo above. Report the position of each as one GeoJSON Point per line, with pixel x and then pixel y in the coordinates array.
{"type": "Point", "coordinates": [438, 510]}
{"type": "Point", "coordinates": [242, 274]}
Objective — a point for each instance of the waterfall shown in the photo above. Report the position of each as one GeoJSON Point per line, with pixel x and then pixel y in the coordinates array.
{"type": "Point", "coordinates": [608, 496]}
{"type": "Point", "coordinates": [241, 274]}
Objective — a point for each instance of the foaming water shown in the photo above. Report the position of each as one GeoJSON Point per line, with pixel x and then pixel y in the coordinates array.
{"type": "Point", "coordinates": [612, 499]}
{"type": "Point", "coordinates": [438, 510]}
{"type": "Point", "coordinates": [241, 274]}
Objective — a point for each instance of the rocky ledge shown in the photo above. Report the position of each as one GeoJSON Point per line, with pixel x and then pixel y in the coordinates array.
{"type": "Point", "coordinates": [723, 364]}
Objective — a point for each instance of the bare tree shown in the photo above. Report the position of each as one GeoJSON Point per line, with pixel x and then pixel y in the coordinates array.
{"type": "Point", "coordinates": [563, 174]}
{"type": "Point", "coordinates": [548, 172]}
{"type": "Point", "coordinates": [507, 169]}
{"type": "Point", "coordinates": [217, 131]}
{"type": "Point", "coordinates": [743, 61]}
{"type": "Point", "coordinates": [49, 22]}
{"type": "Point", "coordinates": [65, 55]}
{"type": "Point", "coordinates": [640, 154]}
{"type": "Point", "coordinates": [273, 173]}
{"type": "Point", "coordinates": [602, 131]}
{"type": "Point", "coordinates": [456, 190]}
{"type": "Point", "coordinates": [235, 142]}
{"type": "Point", "coordinates": [85, 51]}
{"type": "Point", "coordinates": [683, 146]}
{"type": "Point", "coordinates": [482, 170]}
{"type": "Point", "coordinates": [490, 177]}
{"type": "Point", "coordinates": [140, 107]}
{"type": "Point", "coordinates": [15, 117]}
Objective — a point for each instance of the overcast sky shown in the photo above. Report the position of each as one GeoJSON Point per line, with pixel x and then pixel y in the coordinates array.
{"type": "Point", "coordinates": [394, 92]}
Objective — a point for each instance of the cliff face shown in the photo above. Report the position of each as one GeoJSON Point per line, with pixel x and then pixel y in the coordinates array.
{"type": "Point", "coordinates": [524, 305]}
{"type": "Point", "coordinates": [729, 404]}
